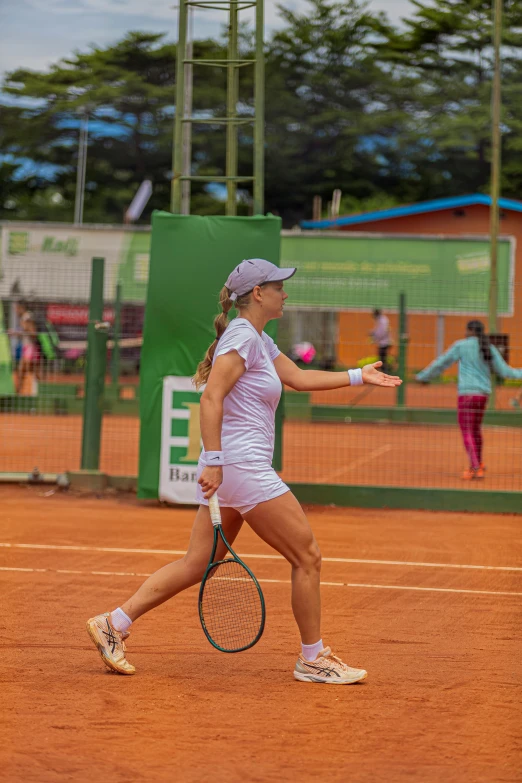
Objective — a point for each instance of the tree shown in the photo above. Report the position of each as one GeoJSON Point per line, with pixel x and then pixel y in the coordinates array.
{"type": "Point", "coordinates": [386, 115]}
{"type": "Point", "coordinates": [446, 50]}
{"type": "Point", "coordinates": [128, 92]}
{"type": "Point", "coordinates": [328, 111]}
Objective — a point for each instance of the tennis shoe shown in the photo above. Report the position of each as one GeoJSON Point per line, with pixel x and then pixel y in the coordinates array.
{"type": "Point", "coordinates": [474, 473]}
{"type": "Point", "coordinates": [110, 643]}
{"type": "Point", "coordinates": [328, 668]}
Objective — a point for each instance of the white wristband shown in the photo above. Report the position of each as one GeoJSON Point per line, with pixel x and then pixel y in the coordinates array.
{"type": "Point", "coordinates": [213, 458]}
{"type": "Point", "coordinates": [356, 378]}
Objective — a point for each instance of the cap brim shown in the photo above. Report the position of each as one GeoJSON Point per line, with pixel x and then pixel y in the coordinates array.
{"type": "Point", "coordinates": [283, 273]}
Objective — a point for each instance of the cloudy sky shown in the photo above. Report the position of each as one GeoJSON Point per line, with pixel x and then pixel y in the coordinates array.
{"type": "Point", "coordinates": [35, 33]}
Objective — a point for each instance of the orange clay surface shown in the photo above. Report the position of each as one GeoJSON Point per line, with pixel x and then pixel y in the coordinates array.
{"type": "Point", "coordinates": [334, 453]}
{"type": "Point", "coordinates": [441, 645]}
{"type": "Point", "coordinates": [417, 396]}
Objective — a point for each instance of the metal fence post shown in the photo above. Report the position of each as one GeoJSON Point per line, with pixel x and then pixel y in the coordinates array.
{"type": "Point", "coordinates": [403, 345]}
{"type": "Point", "coordinates": [277, 461]}
{"type": "Point", "coordinates": [95, 371]}
{"type": "Point", "coordinates": [115, 355]}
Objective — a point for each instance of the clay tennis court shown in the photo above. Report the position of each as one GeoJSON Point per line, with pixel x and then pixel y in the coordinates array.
{"type": "Point", "coordinates": [412, 455]}
{"type": "Point", "coordinates": [429, 603]}
{"type": "Point", "coordinates": [417, 395]}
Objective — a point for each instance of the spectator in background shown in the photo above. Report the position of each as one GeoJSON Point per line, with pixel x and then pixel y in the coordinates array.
{"type": "Point", "coordinates": [30, 355]}
{"type": "Point", "coordinates": [381, 337]}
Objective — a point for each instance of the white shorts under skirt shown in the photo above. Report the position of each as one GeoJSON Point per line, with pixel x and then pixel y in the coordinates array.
{"type": "Point", "coordinates": [246, 485]}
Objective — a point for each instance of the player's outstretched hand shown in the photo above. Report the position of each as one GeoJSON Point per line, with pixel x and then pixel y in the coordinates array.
{"type": "Point", "coordinates": [371, 374]}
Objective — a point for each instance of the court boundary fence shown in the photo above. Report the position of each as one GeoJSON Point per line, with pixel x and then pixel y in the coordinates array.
{"type": "Point", "coordinates": [90, 478]}
{"type": "Point", "coordinates": [343, 495]}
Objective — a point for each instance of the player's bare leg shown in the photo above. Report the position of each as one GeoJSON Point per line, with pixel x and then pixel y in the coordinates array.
{"type": "Point", "coordinates": [188, 570]}
{"type": "Point", "coordinates": [162, 585]}
{"type": "Point", "coordinates": [282, 523]}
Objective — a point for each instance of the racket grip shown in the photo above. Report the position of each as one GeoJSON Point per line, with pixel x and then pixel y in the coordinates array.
{"type": "Point", "coordinates": [213, 506]}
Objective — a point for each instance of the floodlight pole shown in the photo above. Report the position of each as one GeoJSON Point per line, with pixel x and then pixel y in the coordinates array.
{"type": "Point", "coordinates": [232, 99]}
{"type": "Point", "coordinates": [81, 168]}
{"type": "Point", "coordinates": [495, 166]}
{"type": "Point", "coordinates": [177, 141]}
{"type": "Point", "coordinates": [187, 130]}
{"type": "Point", "coordinates": [259, 108]}
{"type": "Point", "coordinates": [184, 117]}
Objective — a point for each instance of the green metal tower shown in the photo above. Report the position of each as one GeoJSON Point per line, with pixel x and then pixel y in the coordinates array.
{"type": "Point", "coordinates": [231, 121]}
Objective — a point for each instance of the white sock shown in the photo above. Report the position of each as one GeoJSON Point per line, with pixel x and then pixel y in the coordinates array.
{"type": "Point", "coordinates": [120, 621]}
{"type": "Point", "coordinates": [311, 651]}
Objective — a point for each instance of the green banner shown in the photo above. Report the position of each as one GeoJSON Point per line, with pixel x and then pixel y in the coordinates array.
{"type": "Point", "coordinates": [437, 275]}
{"type": "Point", "coordinates": [191, 257]}
{"type": "Point", "coordinates": [133, 272]}
{"type": "Point", "coordinates": [6, 370]}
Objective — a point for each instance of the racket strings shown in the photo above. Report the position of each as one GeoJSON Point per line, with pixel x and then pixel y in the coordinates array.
{"type": "Point", "coordinates": [231, 606]}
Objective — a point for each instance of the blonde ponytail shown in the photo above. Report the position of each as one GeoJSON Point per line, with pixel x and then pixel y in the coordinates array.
{"type": "Point", "coordinates": [220, 324]}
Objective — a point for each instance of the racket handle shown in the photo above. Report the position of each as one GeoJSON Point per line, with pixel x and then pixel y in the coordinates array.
{"type": "Point", "coordinates": [215, 514]}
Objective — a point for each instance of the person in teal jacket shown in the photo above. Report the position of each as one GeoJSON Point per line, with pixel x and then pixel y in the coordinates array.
{"type": "Point", "coordinates": [477, 359]}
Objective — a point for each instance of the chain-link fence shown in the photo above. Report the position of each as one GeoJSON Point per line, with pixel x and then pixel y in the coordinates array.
{"type": "Point", "coordinates": [464, 414]}
{"type": "Point", "coordinates": [44, 315]}
{"type": "Point", "coordinates": [426, 435]}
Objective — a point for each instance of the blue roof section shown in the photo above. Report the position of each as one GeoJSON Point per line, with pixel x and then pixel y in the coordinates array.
{"type": "Point", "coordinates": [413, 209]}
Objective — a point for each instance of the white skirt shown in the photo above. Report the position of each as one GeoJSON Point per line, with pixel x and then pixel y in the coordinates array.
{"type": "Point", "coordinates": [245, 485]}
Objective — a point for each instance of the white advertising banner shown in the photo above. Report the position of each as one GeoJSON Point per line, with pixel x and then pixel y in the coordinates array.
{"type": "Point", "coordinates": [53, 262]}
{"type": "Point", "coordinates": [180, 440]}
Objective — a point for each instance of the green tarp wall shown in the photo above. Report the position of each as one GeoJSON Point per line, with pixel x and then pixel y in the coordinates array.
{"type": "Point", "coordinates": [191, 257]}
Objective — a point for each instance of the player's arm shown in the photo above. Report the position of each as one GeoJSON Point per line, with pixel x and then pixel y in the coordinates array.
{"type": "Point", "coordinates": [444, 361]}
{"type": "Point", "coordinates": [502, 368]}
{"type": "Point", "coordinates": [317, 380]}
{"type": "Point", "coordinates": [225, 373]}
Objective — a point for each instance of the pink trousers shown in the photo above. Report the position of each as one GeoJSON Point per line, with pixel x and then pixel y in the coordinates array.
{"type": "Point", "coordinates": [471, 409]}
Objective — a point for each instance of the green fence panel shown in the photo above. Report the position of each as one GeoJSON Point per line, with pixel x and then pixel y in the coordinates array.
{"type": "Point", "coordinates": [191, 257]}
{"type": "Point", "coordinates": [6, 377]}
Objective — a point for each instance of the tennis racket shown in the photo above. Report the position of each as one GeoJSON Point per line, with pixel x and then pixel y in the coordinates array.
{"type": "Point", "coordinates": [231, 602]}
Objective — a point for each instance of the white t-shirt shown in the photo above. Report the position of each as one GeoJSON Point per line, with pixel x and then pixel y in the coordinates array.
{"type": "Point", "coordinates": [248, 430]}
{"type": "Point", "coordinates": [381, 332]}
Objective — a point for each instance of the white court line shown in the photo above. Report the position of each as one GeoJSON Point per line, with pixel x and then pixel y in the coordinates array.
{"type": "Point", "coordinates": [123, 550]}
{"type": "Point", "coordinates": [355, 464]}
{"type": "Point", "coordinates": [271, 581]}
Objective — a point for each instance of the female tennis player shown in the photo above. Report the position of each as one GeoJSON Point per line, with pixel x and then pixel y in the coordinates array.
{"type": "Point", "coordinates": [477, 359]}
{"type": "Point", "coordinates": [243, 371]}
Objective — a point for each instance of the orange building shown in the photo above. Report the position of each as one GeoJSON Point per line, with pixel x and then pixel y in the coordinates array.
{"type": "Point", "coordinates": [460, 216]}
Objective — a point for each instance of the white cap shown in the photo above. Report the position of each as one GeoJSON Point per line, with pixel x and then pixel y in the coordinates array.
{"type": "Point", "coordinates": [255, 271]}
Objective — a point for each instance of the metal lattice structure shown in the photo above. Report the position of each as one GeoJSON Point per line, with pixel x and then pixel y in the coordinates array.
{"type": "Point", "coordinates": [232, 120]}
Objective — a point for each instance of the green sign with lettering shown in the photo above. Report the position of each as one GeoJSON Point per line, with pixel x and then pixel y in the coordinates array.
{"type": "Point", "coordinates": [18, 242]}
{"type": "Point", "coordinates": [359, 273]}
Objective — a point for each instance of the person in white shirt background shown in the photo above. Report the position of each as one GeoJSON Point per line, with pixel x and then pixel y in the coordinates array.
{"type": "Point", "coordinates": [244, 371]}
{"type": "Point", "coordinates": [381, 337]}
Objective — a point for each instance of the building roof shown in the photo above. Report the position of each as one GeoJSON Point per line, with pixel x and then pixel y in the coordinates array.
{"type": "Point", "coordinates": [412, 209]}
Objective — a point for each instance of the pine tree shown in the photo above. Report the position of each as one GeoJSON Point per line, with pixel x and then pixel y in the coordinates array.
{"type": "Point", "coordinates": [128, 91]}
{"type": "Point", "coordinates": [447, 47]}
